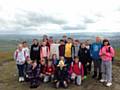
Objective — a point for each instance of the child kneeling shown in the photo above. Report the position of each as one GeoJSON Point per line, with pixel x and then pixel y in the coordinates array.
{"type": "Point", "coordinates": [61, 75]}
{"type": "Point", "coordinates": [76, 70]}
{"type": "Point", "coordinates": [49, 71]}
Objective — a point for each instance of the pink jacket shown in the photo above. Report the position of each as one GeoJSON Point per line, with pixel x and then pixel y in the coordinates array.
{"type": "Point", "coordinates": [44, 52]}
{"type": "Point", "coordinates": [106, 54]}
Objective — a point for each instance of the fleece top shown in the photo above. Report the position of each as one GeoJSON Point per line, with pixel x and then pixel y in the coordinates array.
{"type": "Point", "coordinates": [106, 54]}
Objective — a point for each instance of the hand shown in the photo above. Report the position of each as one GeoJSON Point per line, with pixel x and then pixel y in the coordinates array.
{"type": "Point", "coordinates": [88, 63]}
{"type": "Point", "coordinates": [104, 54]}
{"type": "Point", "coordinates": [82, 78]}
{"type": "Point", "coordinates": [34, 65]}
{"type": "Point", "coordinates": [22, 62]}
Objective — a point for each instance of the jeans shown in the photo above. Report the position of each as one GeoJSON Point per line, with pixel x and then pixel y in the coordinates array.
{"type": "Point", "coordinates": [107, 70]}
{"type": "Point", "coordinates": [20, 70]}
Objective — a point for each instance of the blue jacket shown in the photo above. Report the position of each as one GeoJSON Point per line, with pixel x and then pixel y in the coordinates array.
{"type": "Point", "coordinates": [94, 50]}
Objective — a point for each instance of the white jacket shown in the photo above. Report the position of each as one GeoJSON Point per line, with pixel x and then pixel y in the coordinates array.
{"type": "Point", "coordinates": [20, 56]}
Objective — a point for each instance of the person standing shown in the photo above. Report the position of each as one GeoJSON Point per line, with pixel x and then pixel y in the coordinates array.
{"type": "Point", "coordinates": [94, 52]}
{"type": "Point", "coordinates": [106, 53]}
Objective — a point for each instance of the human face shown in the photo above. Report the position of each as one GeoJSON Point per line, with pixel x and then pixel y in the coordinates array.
{"type": "Point", "coordinates": [76, 60]}
{"type": "Point", "coordinates": [83, 45]}
{"type": "Point", "coordinates": [35, 42]}
{"type": "Point", "coordinates": [44, 43]}
{"type": "Point", "coordinates": [98, 39]}
{"type": "Point", "coordinates": [20, 47]}
{"type": "Point", "coordinates": [105, 43]}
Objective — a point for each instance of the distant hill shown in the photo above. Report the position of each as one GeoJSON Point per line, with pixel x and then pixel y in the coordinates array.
{"type": "Point", "coordinates": [9, 41]}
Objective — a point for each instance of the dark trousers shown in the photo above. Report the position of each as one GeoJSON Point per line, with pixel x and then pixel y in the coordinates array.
{"type": "Point", "coordinates": [97, 65]}
{"type": "Point", "coordinates": [90, 64]}
{"type": "Point", "coordinates": [20, 70]}
{"type": "Point", "coordinates": [68, 61]}
{"type": "Point", "coordinates": [85, 69]}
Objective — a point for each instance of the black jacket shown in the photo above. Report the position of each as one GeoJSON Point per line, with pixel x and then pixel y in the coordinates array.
{"type": "Point", "coordinates": [83, 55]}
{"type": "Point", "coordinates": [35, 52]}
{"type": "Point", "coordinates": [61, 74]}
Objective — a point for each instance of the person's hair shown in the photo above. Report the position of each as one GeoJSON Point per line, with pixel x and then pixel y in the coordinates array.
{"type": "Point", "coordinates": [24, 42]}
{"type": "Point", "coordinates": [54, 55]}
{"type": "Point", "coordinates": [69, 38]}
{"type": "Point", "coordinates": [35, 39]}
{"type": "Point", "coordinates": [76, 40]}
{"type": "Point", "coordinates": [106, 40]}
{"type": "Point", "coordinates": [76, 57]}
{"type": "Point", "coordinates": [61, 40]}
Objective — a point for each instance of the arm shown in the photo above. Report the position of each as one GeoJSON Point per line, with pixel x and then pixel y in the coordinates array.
{"type": "Point", "coordinates": [111, 53]}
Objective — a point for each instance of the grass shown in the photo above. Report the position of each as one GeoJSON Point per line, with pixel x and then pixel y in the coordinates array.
{"type": "Point", "coordinates": [9, 77]}
{"type": "Point", "coordinates": [117, 54]}
{"type": "Point", "coordinates": [6, 56]}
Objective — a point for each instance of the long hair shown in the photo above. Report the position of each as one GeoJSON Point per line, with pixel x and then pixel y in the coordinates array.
{"type": "Point", "coordinates": [106, 40]}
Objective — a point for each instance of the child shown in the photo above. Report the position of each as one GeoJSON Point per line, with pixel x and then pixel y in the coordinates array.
{"type": "Point", "coordinates": [34, 69]}
{"type": "Point", "coordinates": [75, 48]}
{"type": "Point", "coordinates": [45, 51]}
{"type": "Point", "coordinates": [55, 60]}
{"type": "Point", "coordinates": [83, 58]}
{"type": "Point", "coordinates": [106, 53]}
{"type": "Point", "coordinates": [62, 48]}
{"type": "Point", "coordinates": [20, 56]}
{"type": "Point", "coordinates": [89, 59]}
{"type": "Point", "coordinates": [61, 75]}
{"type": "Point", "coordinates": [35, 51]}
{"type": "Point", "coordinates": [27, 50]}
{"type": "Point", "coordinates": [54, 49]}
{"type": "Point", "coordinates": [68, 52]}
{"type": "Point", "coordinates": [76, 71]}
{"type": "Point", "coordinates": [49, 71]}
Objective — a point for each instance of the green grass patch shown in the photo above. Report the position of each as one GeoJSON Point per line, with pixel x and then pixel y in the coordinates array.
{"type": "Point", "coordinates": [117, 54]}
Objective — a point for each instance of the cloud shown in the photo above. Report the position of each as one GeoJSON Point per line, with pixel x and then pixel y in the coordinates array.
{"type": "Point", "coordinates": [53, 17]}
{"type": "Point", "coordinates": [74, 27]}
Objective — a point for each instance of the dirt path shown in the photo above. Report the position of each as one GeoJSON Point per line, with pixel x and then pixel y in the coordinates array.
{"type": "Point", "coordinates": [9, 80]}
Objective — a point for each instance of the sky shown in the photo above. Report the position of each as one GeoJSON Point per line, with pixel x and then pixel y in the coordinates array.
{"type": "Point", "coordinates": [59, 16]}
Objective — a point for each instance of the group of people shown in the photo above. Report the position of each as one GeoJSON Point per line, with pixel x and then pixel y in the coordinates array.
{"type": "Point", "coordinates": [64, 61]}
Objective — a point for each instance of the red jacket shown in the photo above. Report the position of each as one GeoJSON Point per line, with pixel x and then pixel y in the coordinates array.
{"type": "Point", "coordinates": [48, 69]}
{"type": "Point", "coordinates": [77, 68]}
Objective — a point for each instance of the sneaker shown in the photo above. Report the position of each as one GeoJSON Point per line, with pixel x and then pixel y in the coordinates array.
{"type": "Point", "coordinates": [108, 84]}
{"type": "Point", "coordinates": [85, 77]}
{"type": "Point", "coordinates": [102, 80]}
{"type": "Point", "coordinates": [20, 79]}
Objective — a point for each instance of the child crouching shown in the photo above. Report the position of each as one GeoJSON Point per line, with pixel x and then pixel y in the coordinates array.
{"type": "Point", "coordinates": [76, 71]}
{"type": "Point", "coordinates": [61, 75]}
{"type": "Point", "coordinates": [49, 71]}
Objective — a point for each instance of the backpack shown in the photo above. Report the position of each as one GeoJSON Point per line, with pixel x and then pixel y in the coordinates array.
{"type": "Point", "coordinates": [78, 63]}
{"type": "Point", "coordinates": [109, 50]}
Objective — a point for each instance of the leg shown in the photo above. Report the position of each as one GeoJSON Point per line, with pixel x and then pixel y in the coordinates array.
{"type": "Point", "coordinates": [46, 78]}
{"type": "Point", "coordinates": [99, 69]}
{"type": "Point", "coordinates": [65, 85]}
{"type": "Point", "coordinates": [109, 71]}
{"type": "Point", "coordinates": [57, 84]}
{"type": "Point", "coordinates": [79, 80]}
{"type": "Point", "coordinates": [85, 69]}
{"type": "Point", "coordinates": [103, 69]}
{"type": "Point", "coordinates": [73, 76]}
{"type": "Point", "coordinates": [95, 69]}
